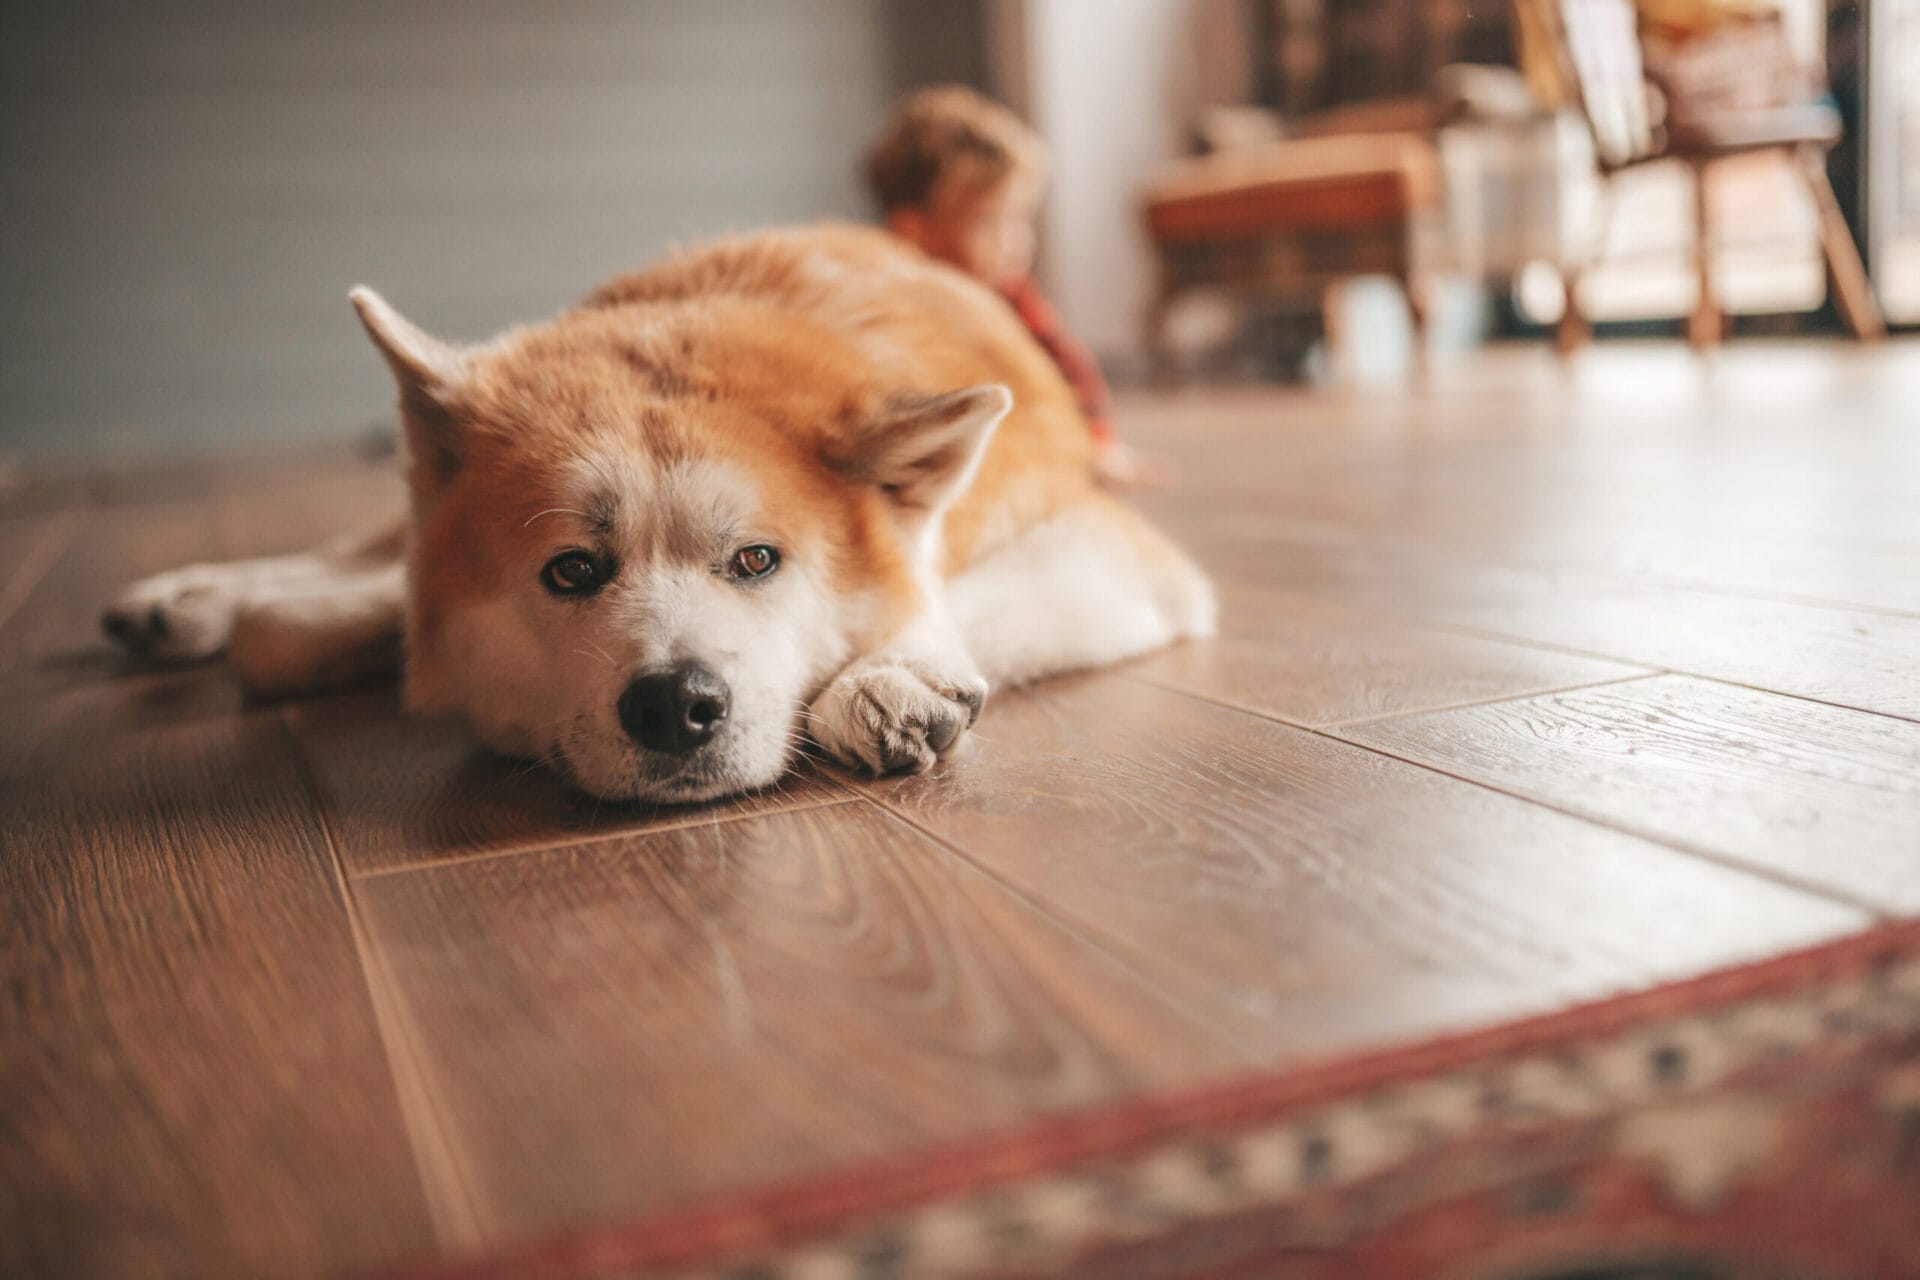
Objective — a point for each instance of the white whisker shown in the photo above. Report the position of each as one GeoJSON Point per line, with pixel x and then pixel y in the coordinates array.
{"type": "Point", "coordinates": [556, 511]}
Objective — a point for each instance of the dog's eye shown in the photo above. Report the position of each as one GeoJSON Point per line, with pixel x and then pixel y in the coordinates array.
{"type": "Point", "coordinates": [573, 573]}
{"type": "Point", "coordinates": [754, 562]}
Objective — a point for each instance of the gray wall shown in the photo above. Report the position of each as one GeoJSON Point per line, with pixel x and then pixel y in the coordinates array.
{"type": "Point", "coordinates": [189, 189]}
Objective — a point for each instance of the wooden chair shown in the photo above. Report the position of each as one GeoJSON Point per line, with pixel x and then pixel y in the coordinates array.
{"type": "Point", "coordinates": [1598, 50]}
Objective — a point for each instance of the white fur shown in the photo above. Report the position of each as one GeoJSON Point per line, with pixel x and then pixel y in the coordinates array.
{"type": "Point", "coordinates": [1074, 592]}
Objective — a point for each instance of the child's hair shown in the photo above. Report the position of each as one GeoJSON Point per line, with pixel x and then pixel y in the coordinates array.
{"type": "Point", "coordinates": [948, 134]}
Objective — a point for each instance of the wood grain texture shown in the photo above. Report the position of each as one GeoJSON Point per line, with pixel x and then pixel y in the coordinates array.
{"type": "Point", "coordinates": [295, 504]}
{"type": "Point", "coordinates": [53, 637]}
{"type": "Point", "coordinates": [1312, 896]}
{"type": "Point", "coordinates": [1312, 664]}
{"type": "Point", "coordinates": [1526, 459]}
{"type": "Point", "coordinates": [1849, 657]}
{"type": "Point", "coordinates": [619, 1026]}
{"type": "Point", "coordinates": [1775, 470]}
{"type": "Point", "coordinates": [1823, 795]}
{"type": "Point", "coordinates": [401, 790]}
{"type": "Point", "coordinates": [569, 1010]}
{"type": "Point", "coordinates": [29, 544]}
{"type": "Point", "coordinates": [193, 1079]}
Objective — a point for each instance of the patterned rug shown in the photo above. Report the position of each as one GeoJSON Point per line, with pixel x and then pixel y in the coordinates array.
{"type": "Point", "coordinates": [1761, 1123]}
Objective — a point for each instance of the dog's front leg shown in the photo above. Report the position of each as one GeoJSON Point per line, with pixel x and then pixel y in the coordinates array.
{"type": "Point", "coordinates": [906, 704]}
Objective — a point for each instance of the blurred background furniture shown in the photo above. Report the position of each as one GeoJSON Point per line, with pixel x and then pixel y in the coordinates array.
{"type": "Point", "coordinates": [1291, 220]}
{"type": "Point", "coordinates": [1734, 91]}
{"type": "Point", "coordinates": [195, 188]}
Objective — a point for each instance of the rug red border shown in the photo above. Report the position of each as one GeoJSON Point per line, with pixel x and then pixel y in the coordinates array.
{"type": "Point", "coordinates": [790, 1212]}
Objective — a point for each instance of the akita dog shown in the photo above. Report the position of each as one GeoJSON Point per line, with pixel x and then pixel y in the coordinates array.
{"type": "Point", "coordinates": [804, 482]}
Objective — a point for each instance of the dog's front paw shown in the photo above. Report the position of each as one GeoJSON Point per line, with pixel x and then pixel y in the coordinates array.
{"type": "Point", "coordinates": [888, 715]}
{"type": "Point", "coordinates": [175, 616]}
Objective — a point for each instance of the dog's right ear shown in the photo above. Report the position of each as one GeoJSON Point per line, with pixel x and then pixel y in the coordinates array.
{"type": "Point", "coordinates": [922, 451]}
{"type": "Point", "coordinates": [428, 372]}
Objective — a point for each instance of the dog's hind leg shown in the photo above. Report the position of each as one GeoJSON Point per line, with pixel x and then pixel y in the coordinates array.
{"type": "Point", "coordinates": [1093, 584]}
{"type": "Point", "coordinates": [288, 623]}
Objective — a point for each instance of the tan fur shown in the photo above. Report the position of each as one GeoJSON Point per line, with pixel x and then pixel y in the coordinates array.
{"type": "Point", "coordinates": [774, 351]}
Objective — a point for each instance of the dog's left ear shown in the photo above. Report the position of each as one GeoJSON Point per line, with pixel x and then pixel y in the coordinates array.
{"type": "Point", "coordinates": [429, 373]}
{"type": "Point", "coordinates": [923, 451]}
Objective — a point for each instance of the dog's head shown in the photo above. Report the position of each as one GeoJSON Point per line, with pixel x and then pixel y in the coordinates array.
{"type": "Point", "coordinates": [644, 541]}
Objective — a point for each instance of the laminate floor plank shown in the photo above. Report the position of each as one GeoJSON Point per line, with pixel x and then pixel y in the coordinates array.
{"type": "Point", "coordinates": [403, 790]}
{"type": "Point", "coordinates": [621, 1025]}
{"type": "Point", "coordinates": [1826, 796]}
{"type": "Point", "coordinates": [306, 506]}
{"type": "Point", "coordinates": [1589, 528]}
{"type": "Point", "coordinates": [1313, 664]}
{"type": "Point", "coordinates": [319, 987]}
{"type": "Point", "coordinates": [1853, 658]}
{"type": "Point", "coordinates": [196, 1080]}
{"type": "Point", "coordinates": [1712, 483]}
{"type": "Point", "coordinates": [1325, 895]}
{"type": "Point", "coordinates": [195, 1084]}
{"type": "Point", "coordinates": [29, 545]}
{"type": "Point", "coordinates": [52, 638]}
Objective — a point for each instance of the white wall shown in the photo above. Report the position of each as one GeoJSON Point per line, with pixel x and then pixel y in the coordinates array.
{"type": "Point", "coordinates": [189, 190]}
{"type": "Point", "coordinates": [1114, 85]}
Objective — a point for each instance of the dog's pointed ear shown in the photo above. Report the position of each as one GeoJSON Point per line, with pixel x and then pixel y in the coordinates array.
{"type": "Point", "coordinates": [428, 372]}
{"type": "Point", "coordinates": [922, 451]}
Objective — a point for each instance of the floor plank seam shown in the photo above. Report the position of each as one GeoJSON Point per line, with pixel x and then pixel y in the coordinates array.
{"type": "Point", "coordinates": [1316, 725]}
{"type": "Point", "coordinates": [1167, 686]}
{"type": "Point", "coordinates": [1074, 927]}
{"type": "Point", "coordinates": [451, 1203]}
{"type": "Point", "coordinates": [1407, 617]}
{"type": "Point", "coordinates": [1800, 697]}
{"type": "Point", "coordinates": [1468, 703]}
{"type": "Point", "coordinates": [1694, 851]}
{"type": "Point", "coordinates": [549, 846]}
{"type": "Point", "coordinates": [1650, 668]}
{"type": "Point", "coordinates": [1688, 849]}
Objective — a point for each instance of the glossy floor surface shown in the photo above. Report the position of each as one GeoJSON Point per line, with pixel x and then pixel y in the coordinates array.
{"type": "Point", "coordinates": [1535, 684]}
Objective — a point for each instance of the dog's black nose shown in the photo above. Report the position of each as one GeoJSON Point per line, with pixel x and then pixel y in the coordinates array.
{"type": "Point", "coordinates": [677, 709]}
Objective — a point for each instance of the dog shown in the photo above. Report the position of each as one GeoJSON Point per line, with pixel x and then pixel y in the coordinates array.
{"type": "Point", "coordinates": [805, 484]}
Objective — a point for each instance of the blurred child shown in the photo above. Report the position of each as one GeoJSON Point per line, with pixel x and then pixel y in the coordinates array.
{"type": "Point", "coordinates": [961, 177]}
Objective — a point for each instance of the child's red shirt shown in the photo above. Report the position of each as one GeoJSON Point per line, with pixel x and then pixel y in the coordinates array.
{"type": "Point", "coordinates": [1076, 363]}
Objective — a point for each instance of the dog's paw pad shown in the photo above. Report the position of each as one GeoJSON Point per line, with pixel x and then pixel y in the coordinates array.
{"type": "Point", "coordinates": [891, 719]}
{"type": "Point", "coordinates": [174, 616]}
{"type": "Point", "coordinates": [134, 628]}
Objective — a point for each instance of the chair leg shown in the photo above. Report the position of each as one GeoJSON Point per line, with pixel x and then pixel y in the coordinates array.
{"type": "Point", "coordinates": [1163, 369]}
{"type": "Point", "coordinates": [1706, 326]}
{"type": "Point", "coordinates": [1420, 314]}
{"type": "Point", "coordinates": [1333, 326]}
{"type": "Point", "coordinates": [1852, 291]}
{"type": "Point", "coordinates": [1574, 330]}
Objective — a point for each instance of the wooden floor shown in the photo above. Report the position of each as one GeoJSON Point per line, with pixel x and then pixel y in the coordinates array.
{"type": "Point", "coordinates": [1534, 685]}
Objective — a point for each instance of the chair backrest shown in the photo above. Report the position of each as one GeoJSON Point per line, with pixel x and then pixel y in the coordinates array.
{"type": "Point", "coordinates": [1597, 46]}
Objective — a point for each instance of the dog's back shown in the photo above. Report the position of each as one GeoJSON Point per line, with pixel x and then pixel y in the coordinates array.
{"type": "Point", "coordinates": [773, 308]}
